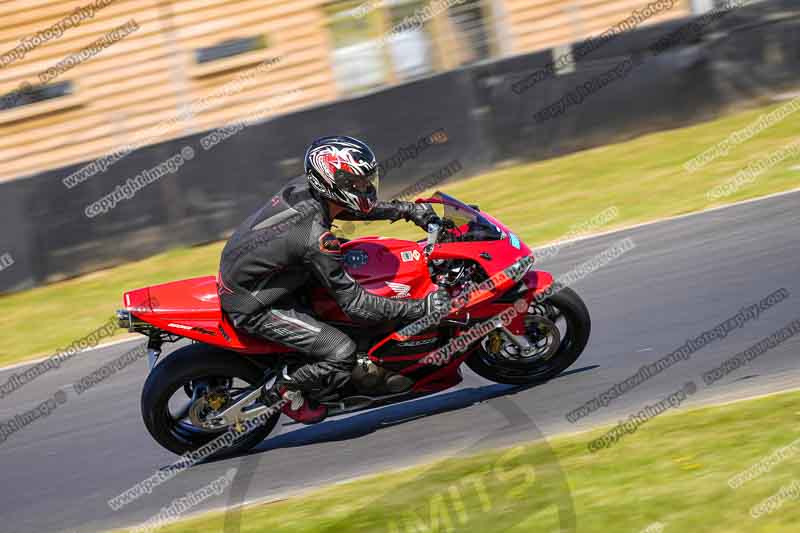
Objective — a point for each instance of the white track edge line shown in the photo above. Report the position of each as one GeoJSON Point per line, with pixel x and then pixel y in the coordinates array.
{"type": "Point", "coordinates": [668, 219]}
{"type": "Point", "coordinates": [98, 347]}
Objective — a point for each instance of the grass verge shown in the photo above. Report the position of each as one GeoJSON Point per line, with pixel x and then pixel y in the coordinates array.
{"type": "Point", "coordinates": [644, 179]}
{"type": "Point", "coordinates": [673, 470]}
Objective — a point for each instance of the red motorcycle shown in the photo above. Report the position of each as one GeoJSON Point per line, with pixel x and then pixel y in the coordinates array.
{"type": "Point", "coordinates": [508, 324]}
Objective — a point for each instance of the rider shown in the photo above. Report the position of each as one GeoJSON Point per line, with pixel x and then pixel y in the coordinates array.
{"type": "Point", "coordinates": [273, 253]}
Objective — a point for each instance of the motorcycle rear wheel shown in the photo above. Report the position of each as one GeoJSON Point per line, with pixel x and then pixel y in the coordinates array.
{"type": "Point", "coordinates": [567, 304]}
{"type": "Point", "coordinates": [182, 367]}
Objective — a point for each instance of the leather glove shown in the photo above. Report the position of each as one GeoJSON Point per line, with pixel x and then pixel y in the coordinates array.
{"type": "Point", "coordinates": [419, 214]}
{"type": "Point", "coordinates": [438, 302]}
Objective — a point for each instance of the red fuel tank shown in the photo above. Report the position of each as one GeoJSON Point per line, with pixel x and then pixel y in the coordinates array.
{"type": "Point", "coordinates": [392, 268]}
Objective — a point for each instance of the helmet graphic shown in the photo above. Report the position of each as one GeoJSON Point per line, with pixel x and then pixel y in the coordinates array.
{"type": "Point", "coordinates": [343, 170]}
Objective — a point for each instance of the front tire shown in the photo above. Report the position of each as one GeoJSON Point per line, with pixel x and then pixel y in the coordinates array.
{"type": "Point", "coordinates": [184, 366]}
{"type": "Point", "coordinates": [568, 305]}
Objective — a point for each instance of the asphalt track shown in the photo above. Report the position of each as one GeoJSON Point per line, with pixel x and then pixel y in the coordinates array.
{"type": "Point", "coordinates": [683, 277]}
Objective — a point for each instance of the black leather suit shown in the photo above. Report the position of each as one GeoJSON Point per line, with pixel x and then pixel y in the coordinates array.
{"type": "Point", "coordinates": [273, 254]}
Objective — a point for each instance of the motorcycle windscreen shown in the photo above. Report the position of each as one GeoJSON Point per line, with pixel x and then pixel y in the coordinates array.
{"type": "Point", "coordinates": [469, 224]}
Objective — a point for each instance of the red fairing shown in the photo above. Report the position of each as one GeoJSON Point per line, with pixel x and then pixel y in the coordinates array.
{"type": "Point", "coordinates": [139, 300]}
{"type": "Point", "coordinates": [538, 281]}
{"type": "Point", "coordinates": [191, 309]}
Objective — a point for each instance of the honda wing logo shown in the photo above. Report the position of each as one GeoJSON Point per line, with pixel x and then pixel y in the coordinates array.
{"type": "Point", "coordinates": [401, 289]}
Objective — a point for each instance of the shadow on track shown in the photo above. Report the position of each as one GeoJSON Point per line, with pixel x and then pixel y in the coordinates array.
{"type": "Point", "coordinates": [360, 424]}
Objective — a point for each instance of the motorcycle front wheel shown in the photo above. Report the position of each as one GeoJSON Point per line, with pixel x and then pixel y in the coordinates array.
{"type": "Point", "coordinates": [558, 329]}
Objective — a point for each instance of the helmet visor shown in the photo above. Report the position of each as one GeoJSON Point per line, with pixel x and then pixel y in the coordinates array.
{"type": "Point", "coordinates": [361, 190]}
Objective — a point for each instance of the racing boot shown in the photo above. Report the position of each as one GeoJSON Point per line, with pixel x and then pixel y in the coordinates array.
{"type": "Point", "coordinates": [301, 409]}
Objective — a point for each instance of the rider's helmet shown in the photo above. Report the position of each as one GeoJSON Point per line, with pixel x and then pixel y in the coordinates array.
{"type": "Point", "coordinates": [343, 170]}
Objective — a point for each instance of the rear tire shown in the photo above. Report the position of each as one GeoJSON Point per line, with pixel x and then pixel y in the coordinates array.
{"type": "Point", "coordinates": [579, 327]}
{"type": "Point", "coordinates": [189, 363]}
